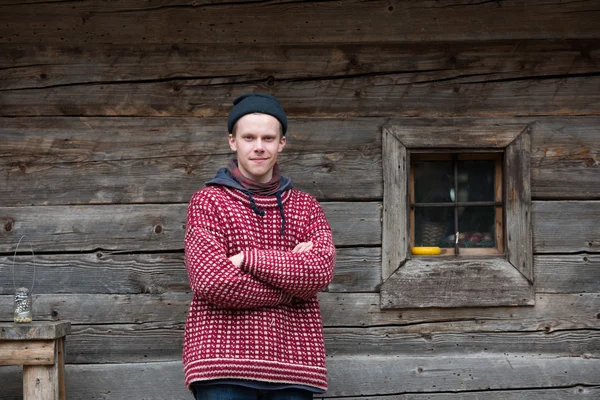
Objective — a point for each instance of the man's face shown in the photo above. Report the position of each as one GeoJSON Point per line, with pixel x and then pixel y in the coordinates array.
{"type": "Point", "coordinates": [257, 143]}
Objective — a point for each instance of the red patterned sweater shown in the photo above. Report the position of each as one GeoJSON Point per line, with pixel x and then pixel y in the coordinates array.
{"type": "Point", "coordinates": [260, 321]}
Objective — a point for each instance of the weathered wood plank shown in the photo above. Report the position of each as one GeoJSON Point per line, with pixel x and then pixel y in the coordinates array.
{"type": "Point", "coordinates": [49, 153]}
{"type": "Point", "coordinates": [576, 392]}
{"type": "Point", "coordinates": [552, 312]}
{"type": "Point", "coordinates": [357, 270]}
{"type": "Point", "coordinates": [176, 179]}
{"type": "Point", "coordinates": [402, 374]}
{"type": "Point", "coordinates": [565, 158]}
{"type": "Point", "coordinates": [151, 227]}
{"type": "Point", "coordinates": [566, 226]}
{"type": "Point", "coordinates": [293, 22]}
{"type": "Point", "coordinates": [395, 225]}
{"type": "Point", "coordinates": [577, 273]}
{"type": "Point", "coordinates": [125, 343]}
{"type": "Point", "coordinates": [34, 331]}
{"type": "Point", "coordinates": [411, 341]}
{"type": "Point", "coordinates": [379, 375]}
{"type": "Point", "coordinates": [96, 160]}
{"type": "Point", "coordinates": [105, 308]}
{"type": "Point", "coordinates": [40, 382]}
{"type": "Point", "coordinates": [381, 79]}
{"type": "Point", "coordinates": [361, 95]}
{"type": "Point", "coordinates": [31, 66]}
{"type": "Point", "coordinates": [30, 352]}
{"type": "Point", "coordinates": [156, 381]}
{"type": "Point", "coordinates": [517, 186]}
{"type": "Point", "coordinates": [150, 342]}
{"type": "Point", "coordinates": [421, 283]}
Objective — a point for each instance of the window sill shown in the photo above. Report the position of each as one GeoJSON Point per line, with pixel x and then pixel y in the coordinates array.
{"type": "Point", "coordinates": [427, 282]}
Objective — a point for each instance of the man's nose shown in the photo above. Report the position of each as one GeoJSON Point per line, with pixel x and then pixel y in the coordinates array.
{"type": "Point", "coordinates": [258, 145]}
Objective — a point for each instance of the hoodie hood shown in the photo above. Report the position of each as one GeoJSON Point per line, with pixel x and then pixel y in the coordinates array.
{"type": "Point", "coordinates": [224, 178]}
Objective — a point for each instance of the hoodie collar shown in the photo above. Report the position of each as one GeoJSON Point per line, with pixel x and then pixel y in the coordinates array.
{"type": "Point", "coordinates": [224, 178]}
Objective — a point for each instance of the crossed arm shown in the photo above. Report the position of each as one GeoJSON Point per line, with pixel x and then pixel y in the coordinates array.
{"type": "Point", "coordinates": [253, 278]}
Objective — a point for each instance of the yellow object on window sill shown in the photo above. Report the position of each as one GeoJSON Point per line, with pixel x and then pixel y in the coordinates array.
{"type": "Point", "coordinates": [426, 251]}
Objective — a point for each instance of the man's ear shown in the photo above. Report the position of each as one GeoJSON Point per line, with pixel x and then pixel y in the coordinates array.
{"type": "Point", "coordinates": [282, 143]}
{"type": "Point", "coordinates": [232, 143]}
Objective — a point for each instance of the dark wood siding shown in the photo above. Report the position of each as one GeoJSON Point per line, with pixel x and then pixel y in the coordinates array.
{"type": "Point", "coordinates": [112, 114]}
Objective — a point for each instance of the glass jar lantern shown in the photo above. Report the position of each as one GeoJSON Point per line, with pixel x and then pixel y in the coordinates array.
{"type": "Point", "coordinates": [23, 306]}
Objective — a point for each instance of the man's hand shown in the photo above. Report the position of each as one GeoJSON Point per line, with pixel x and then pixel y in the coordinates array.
{"type": "Point", "coordinates": [302, 247]}
{"type": "Point", "coordinates": [237, 259]}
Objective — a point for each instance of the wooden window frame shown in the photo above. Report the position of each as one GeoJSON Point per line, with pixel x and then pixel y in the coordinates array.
{"type": "Point", "coordinates": [464, 280]}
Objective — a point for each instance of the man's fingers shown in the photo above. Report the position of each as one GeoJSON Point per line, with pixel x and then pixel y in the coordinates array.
{"type": "Point", "coordinates": [301, 247]}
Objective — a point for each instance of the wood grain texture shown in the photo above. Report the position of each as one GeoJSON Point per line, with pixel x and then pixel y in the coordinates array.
{"type": "Point", "coordinates": [382, 375]}
{"type": "Point", "coordinates": [410, 341]}
{"type": "Point", "coordinates": [40, 382]}
{"type": "Point", "coordinates": [36, 330]}
{"type": "Point", "coordinates": [393, 95]}
{"type": "Point", "coordinates": [175, 179]}
{"type": "Point", "coordinates": [504, 78]}
{"type": "Point", "coordinates": [358, 269]}
{"type": "Point", "coordinates": [576, 392]}
{"type": "Point", "coordinates": [103, 160]}
{"type": "Point", "coordinates": [46, 65]}
{"type": "Point", "coordinates": [570, 273]}
{"type": "Point", "coordinates": [132, 343]}
{"type": "Point", "coordinates": [293, 22]}
{"type": "Point", "coordinates": [433, 79]}
{"type": "Point", "coordinates": [517, 194]}
{"type": "Point", "coordinates": [155, 380]}
{"type": "Point", "coordinates": [151, 227]}
{"type": "Point", "coordinates": [117, 160]}
{"type": "Point", "coordinates": [447, 283]}
{"type": "Point", "coordinates": [552, 312]}
{"type": "Point", "coordinates": [566, 226]}
{"type": "Point", "coordinates": [395, 237]}
{"type": "Point", "coordinates": [402, 374]}
{"type": "Point", "coordinates": [27, 352]}
{"type": "Point", "coordinates": [565, 158]}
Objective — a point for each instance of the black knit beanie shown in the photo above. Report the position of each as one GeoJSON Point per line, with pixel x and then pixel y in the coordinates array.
{"type": "Point", "coordinates": [256, 103]}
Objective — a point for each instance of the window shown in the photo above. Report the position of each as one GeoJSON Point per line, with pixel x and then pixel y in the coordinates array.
{"type": "Point", "coordinates": [457, 192]}
{"type": "Point", "coordinates": [444, 176]}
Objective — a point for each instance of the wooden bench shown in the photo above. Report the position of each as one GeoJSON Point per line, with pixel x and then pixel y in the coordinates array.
{"type": "Point", "coordinates": [39, 348]}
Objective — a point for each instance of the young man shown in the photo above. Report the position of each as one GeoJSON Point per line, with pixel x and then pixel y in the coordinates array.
{"type": "Point", "coordinates": [257, 252]}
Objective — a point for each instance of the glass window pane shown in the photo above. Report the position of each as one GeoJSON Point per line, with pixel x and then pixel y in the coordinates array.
{"type": "Point", "coordinates": [477, 227]}
{"type": "Point", "coordinates": [432, 225]}
{"type": "Point", "coordinates": [476, 180]}
{"type": "Point", "coordinates": [433, 181]}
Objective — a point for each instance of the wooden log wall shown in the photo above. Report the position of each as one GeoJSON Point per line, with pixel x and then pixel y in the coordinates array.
{"type": "Point", "coordinates": [112, 114]}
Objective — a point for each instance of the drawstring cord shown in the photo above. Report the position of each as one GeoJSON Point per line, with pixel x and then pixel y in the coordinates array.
{"type": "Point", "coordinates": [280, 204]}
{"type": "Point", "coordinates": [260, 212]}
{"type": "Point", "coordinates": [254, 207]}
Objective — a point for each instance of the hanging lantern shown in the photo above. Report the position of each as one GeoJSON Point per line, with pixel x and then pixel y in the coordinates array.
{"type": "Point", "coordinates": [23, 309]}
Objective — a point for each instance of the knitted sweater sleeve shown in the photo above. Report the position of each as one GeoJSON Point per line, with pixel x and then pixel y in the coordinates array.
{"type": "Point", "coordinates": [212, 275]}
{"type": "Point", "coordinates": [300, 274]}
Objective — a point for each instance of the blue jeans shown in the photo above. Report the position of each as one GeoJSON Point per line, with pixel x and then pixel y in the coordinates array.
{"type": "Point", "coordinates": [235, 392]}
